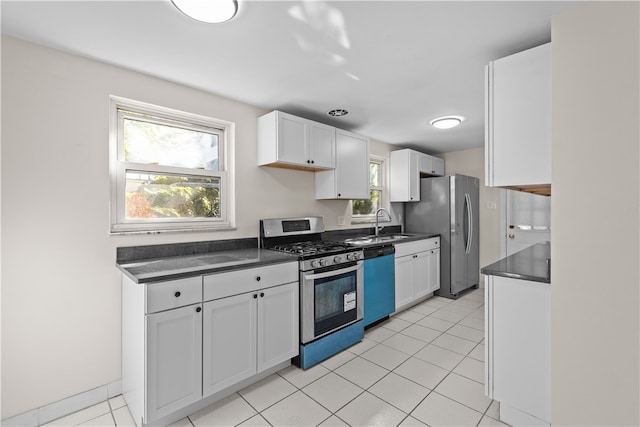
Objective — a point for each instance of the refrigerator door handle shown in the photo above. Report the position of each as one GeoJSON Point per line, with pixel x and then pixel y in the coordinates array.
{"type": "Point", "coordinates": [467, 200]}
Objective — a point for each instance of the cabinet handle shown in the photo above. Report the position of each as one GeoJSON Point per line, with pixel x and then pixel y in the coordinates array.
{"type": "Point", "coordinates": [177, 294]}
{"type": "Point", "coordinates": [198, 309]}
{"type": "Point", "coordinates": [313, 161]}
{"type": "Point", "coordinates": [339, 195]}
{"type": "Point", "coordinates": [308, 161]}
{"type": "Point", "coordinates": [258, 278]}
{"type": "Point", "coordinates": [261, 294]}
{"type": "Point", "coordinates": [255, 296]}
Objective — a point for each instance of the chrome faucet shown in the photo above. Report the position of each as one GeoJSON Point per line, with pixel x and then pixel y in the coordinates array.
{"type": "Point", "coordinates": [387, 220]}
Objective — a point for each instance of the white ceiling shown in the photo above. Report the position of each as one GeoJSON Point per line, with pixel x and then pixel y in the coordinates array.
{"type": "Point", "coordinates": [395, 65]}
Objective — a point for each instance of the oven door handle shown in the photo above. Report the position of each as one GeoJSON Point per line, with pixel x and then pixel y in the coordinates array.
{"type": "Point", "coordinates": [331, 273]}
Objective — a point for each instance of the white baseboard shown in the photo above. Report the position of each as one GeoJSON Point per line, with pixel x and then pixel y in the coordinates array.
{"type": "Point", "coordinates": [64, 407]}
{"type": "Point", "coordinates": [516, 417]}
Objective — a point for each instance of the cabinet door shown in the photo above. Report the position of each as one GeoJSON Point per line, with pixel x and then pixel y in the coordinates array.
{"type": "Point", "coordinates": [278, 338]}
{"type": "Point", "coordinates": [437, 166]}
{"type": "Point", "coordinates": [350, 178]}
{"type": "Point", "coordinates": [518, 344]}
{"type": "Point", "coordinates": [322, 145]}
{"type": "Point", "coordinates": [405, 278]}
{"type": "Point", "coordinates": [174, 360]}
{"type": "Point", "coordinates": [421, 264]}
{"type": "Point", "coordinates": [519, 119]}
{"type": "Point", "coordinates": [405, 167]}
{"type": "Point", "coordinates": [433, 270]}
{"type": "Point", "coordinates": [414, 176]}
{"type": "Point", "coordinates": [425, 163]}
{"type": "Point", "coordinates": [352, 166]}
{"type": "Point", "coordinates": [293, 139]}
{"type": "Point", "coordinates": [229, 343]}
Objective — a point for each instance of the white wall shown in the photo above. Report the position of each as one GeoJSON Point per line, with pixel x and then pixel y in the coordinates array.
{"type": "Point", "coordinates": [60, 286]}
{"type": "Point", "coordinates": [595, 336]}
{"type": "Point", "coordinates": [471, 162]}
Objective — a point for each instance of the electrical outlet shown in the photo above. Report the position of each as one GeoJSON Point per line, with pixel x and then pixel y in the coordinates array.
{"type": "Point", "coordinates": [491, 205]}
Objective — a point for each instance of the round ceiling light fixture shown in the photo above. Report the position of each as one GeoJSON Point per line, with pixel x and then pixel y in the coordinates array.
{"type": "Point", "coordinates": [337, 112]}
{"type": "Point", "coordinates": [446, 122]}
{"type": "Point", "coordinates": [209, 11]}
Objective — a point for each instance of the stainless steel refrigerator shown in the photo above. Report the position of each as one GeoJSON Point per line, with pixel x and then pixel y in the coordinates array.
{"type": "Point", "coordinates": [449, 206]}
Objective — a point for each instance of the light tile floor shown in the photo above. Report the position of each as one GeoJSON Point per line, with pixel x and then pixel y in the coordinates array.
{"type": "Point", "coordinates": [424, 366]}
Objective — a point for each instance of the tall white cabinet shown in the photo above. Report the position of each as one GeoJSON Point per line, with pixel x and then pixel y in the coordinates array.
{"type": "Point", "coordinates": [350, 178]}
{"type": "Point", "coordinates": [518, 120]}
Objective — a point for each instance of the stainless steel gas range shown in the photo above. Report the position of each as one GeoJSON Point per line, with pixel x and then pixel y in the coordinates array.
{"type": "Point", "coordinates": [331, 286]}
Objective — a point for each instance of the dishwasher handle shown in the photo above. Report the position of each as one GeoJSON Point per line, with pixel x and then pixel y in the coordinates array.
{"type": "Point", "coordinates": [378, 251]}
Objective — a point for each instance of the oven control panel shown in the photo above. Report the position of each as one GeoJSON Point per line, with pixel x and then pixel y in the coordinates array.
{"type": "Point", "coordinates": [331, 260]}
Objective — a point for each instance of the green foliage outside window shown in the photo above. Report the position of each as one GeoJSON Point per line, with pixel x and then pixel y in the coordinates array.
{"type": "Point", "coordinates": [161, 196]}
{"type": "Point", "coordinates": [369, 206]}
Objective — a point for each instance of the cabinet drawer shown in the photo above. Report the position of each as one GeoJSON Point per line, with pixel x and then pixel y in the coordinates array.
{"type": "Point", "coordinates": [222, 285]}
{"type": "Point", "coordinates": [408, 248]}
{"type": "Point", "coordinates": [433, 243]}
{"type": "Point", "coordinates": [175, 293]}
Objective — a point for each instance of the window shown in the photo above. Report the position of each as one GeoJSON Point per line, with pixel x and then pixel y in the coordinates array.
{"type": "Point", "coordinates": [365, 209]}
{"type": "Point", "coordinates": [169, 169]}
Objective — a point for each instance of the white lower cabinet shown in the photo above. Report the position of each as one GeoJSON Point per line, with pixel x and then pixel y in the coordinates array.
{"type": "Point", "coordinates": [517, 350]}
{"type": "Point", "coordinates": [187, 343]}
{"type": "Point", "coordinates": [417, 266]}
{"type": "Point", "coordinates": [248, 333]}
{"type": "Point", "coordinates": [174, 359]}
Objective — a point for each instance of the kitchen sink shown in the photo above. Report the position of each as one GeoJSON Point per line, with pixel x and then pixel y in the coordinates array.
{"type": "Point", "coordinates": [368, 240]}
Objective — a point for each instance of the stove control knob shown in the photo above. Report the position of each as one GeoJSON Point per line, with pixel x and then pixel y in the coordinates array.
{"type": "Point", "coordinates": [337, 260]}
{"type": "Point", "coordinates": [356, 256]}
{"type": "Point", "coordinates": [314, 263]}
{"type": "Point", "coordinates": [350, 257]}
{"type": "Point", "coordinates": [322, 262]}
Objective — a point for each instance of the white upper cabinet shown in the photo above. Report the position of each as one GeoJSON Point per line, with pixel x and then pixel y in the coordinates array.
{"type": "Point", "coordinates": [322, 145]}
{"type": "Point", "coordinates": [437, 166]}
{"type": "Point", "coordinates": [287, 141]}
{"type": "Point", "coordinates": [406, 168]}
{"type": "Point", "coordinates": [518, 120]}
{"type": "Point", "coordinates": [350, 178]}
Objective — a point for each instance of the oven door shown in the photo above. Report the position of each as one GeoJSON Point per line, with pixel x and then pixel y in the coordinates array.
{"type": "Point", "coordinates": [331, 298]}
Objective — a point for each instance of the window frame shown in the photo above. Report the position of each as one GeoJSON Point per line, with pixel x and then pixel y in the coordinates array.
{"type": "Point", "coordinates": [119, 167]}
{"type": "Point", "coordinates": [369, 218]}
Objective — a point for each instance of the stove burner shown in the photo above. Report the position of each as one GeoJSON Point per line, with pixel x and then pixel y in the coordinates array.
{"type": "Point", "coordinates": [312, 247]}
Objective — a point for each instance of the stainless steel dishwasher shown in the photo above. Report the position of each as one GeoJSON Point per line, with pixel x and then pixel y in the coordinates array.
{"type": "Point", "coordinates": [379, 283]}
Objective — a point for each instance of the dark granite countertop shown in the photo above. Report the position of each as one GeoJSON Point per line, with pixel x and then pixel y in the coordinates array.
{"type": "Point", "coordinates": [147, 264]}
{"type": "Point", "coordinates": [532, 263]}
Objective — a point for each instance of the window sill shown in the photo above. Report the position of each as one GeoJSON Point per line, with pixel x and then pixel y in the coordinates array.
{"type": "Point", "coordinates": [367, 220]}
{"type": "Point", "coordinates": [175, 230]}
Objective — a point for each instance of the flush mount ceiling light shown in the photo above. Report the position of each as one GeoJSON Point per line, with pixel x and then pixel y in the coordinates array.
{"type": "Point", "coordinates": [447, 122]}
{"type": "Point", "coordinates": [209, 11]}
{"type": "Point", "coordinates": [337, 112]}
